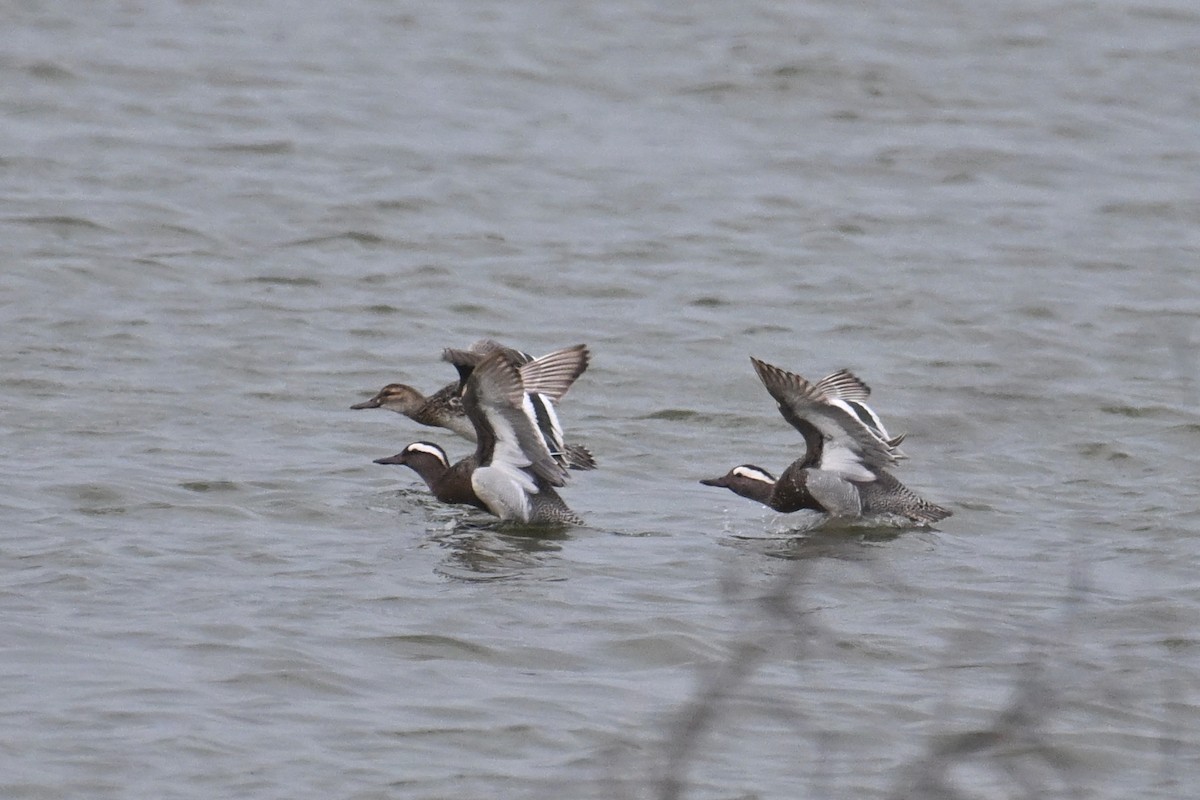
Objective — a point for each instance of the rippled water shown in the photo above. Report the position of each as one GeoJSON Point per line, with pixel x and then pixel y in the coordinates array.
{"type": "Point", "coordinates": [223, 223]}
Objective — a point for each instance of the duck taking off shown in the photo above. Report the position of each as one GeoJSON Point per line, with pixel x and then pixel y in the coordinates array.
{"type": "Point", "coordinates": [513, 473]}
{"type": "Point", "coordinates": [843, 471]}
{"type": "Point", "coordinates": [444, 408]}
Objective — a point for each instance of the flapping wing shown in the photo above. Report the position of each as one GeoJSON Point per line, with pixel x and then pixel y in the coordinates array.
{"type": "Point", "coordinates": [485, 347]}
{"type": "Point", "coordinates": [466, 360]}
{"type": "Point", "coordinates": [552, 374]}
{"type": "Point", "coordinates": [546, 380]}
{"type": "Point", "coordinates": [850, 449]}
{"type": "Point", "coordinates": [506, 422]}
{"type": "Point", "coordinates": [844, 384]}
{"type": "Point", "coordinates": [846, 389]}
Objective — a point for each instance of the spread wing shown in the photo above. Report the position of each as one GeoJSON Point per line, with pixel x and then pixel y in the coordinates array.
{"type": "Point", "coordinates": [844, 384]}
{"type": "Point", "coordinates": [867, 416]}
{"type": "Point", "coordinates": [546, 380]}
{"type": "Point", "coordinates": [846, 389]}
{"type": "Point", "coordinates": [485, 347]}
{"type": "Point", "coordinates": [552, 374]}
{"type": "Point", "coordinates": [848, 447]}
{"type": "Point", "coordinates": [506, 423]}
{"type": "Point", "coordinates": [465, 360]}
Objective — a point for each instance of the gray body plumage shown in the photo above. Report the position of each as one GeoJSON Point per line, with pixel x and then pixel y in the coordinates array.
{"type": "Point", "coordinates": [836, 495]}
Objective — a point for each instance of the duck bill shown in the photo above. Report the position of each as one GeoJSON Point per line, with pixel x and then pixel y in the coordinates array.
{"type": "Point", "coordinates": [399, 458]}
{"type": "Point", "coordinates": [374, 402]}
{"type": "Point", "coordinates": [721, 481]}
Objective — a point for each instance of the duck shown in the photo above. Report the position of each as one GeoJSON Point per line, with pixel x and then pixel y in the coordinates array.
{"type": "Point", "coordinates": [512, 474]}
{"type": "Point", "coordinates": [444, 408]}
{"type": "Point", "coordinates": [844, 470]}
{"type": "Point", "coordinates": [543, 395]}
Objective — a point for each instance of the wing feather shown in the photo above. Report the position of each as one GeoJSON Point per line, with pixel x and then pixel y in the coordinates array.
{"type": "Point", "coordinates": [846, 389]}
{"type": "Point", "coordinates": [849, 445]}
{"type": "Point", "coordinates": [466, 360]}
{"type": "Point", "coordinates": [505, 417]}
{"type": "Point", "coordinates": [844, 384]}
{"type": "Point", "coordinates": [552, 374]}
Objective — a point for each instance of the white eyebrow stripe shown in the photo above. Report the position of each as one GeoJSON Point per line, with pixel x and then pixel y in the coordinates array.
{"type": "Point", "coordinates": [753, 474]}
{"type": "Point", "coordinates": [429, 449]}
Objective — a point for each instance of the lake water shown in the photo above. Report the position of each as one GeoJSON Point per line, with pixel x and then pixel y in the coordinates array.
{"type": "Point", "coordinates": [223, 223]}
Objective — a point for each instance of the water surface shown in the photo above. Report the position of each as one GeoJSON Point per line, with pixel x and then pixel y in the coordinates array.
{"type": "Point", "coordinates": [221, 225]}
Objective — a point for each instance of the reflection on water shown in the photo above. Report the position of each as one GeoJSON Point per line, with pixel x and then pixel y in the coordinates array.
{"type": "Point", "coordinates": [479, 550]}
{"type": "Point", "coordinates": [847, 543]}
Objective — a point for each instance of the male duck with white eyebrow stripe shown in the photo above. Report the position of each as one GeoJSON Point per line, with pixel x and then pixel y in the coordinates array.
{"type": "Point", "coordinates": [847, 450]}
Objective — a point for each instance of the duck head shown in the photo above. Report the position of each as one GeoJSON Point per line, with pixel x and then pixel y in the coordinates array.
{"type": "Point", "coordinates": [395, 397]}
